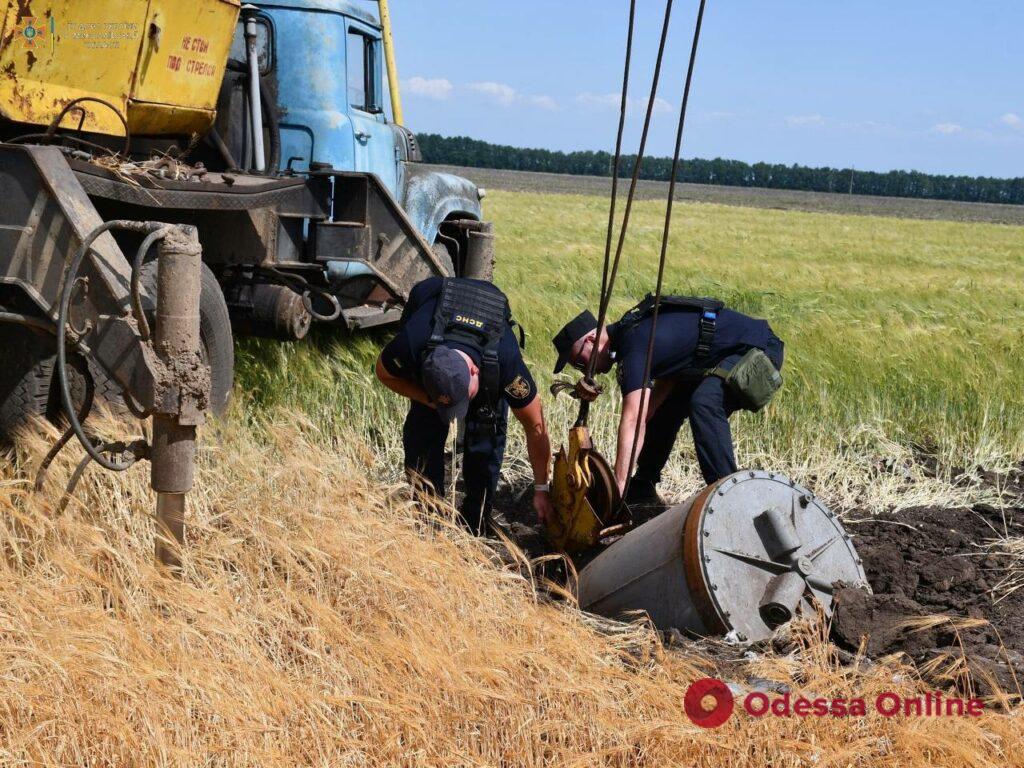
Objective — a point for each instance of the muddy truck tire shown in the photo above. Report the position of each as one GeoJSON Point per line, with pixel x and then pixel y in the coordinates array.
{"type": "Point", "coordinates": [28, 381]}
{"type": "Point", "coordinates": [26, 375]}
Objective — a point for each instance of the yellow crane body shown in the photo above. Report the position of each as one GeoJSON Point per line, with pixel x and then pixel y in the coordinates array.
{"type": "Point", "coordinates": [159, 62]}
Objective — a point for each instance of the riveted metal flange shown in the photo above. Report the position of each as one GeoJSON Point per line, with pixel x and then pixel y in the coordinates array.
{"type": "Point", "coordinates": [743, 556]}
{"type": "Point", "coordinates": [771, 547]}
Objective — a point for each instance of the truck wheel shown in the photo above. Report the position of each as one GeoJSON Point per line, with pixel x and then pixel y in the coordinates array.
{"type": "Point", "coordinates": [218, 345]}
{"type": "Point", "coordinates": [26, 373]}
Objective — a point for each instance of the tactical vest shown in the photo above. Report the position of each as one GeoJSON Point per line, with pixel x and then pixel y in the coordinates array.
{"type": "Point", "coordinates": [470, 314]}
{"type": "Point", "coordinates": [706, 309]}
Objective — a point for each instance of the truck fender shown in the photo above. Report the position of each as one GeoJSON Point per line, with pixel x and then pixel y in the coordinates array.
{"type": "Point", "coordinates": [431, 197]}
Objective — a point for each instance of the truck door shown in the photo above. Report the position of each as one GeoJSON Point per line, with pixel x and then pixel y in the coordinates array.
{"type": "Point", "coordinates": [374, 141]}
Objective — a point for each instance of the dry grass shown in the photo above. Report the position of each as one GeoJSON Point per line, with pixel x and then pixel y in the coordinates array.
{"type": "Point", "coordinates": [324, 620]}
{"type": "Point", "coordinates": [1009, 551]}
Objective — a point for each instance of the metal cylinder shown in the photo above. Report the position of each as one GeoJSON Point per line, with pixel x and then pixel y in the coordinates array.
{"type": "Point", "coordinates": [742, 556]}
{"type": "Point", "coordinates": [271, 311]}
{"type": "Point", "coordinates": [279, 311]}
{"type": "Point", "coordinates": [480, 253]}
{"type": "Point", "coordinates": [255, 99]}
{"type": "Point", "coordinates": [170, 534]}
{"type": "Point", "coordinates": [777, 533]}
{"type": "Point", "coordinates": [177, 344]}
{"type": "Point", "coordinates": [781, 598]}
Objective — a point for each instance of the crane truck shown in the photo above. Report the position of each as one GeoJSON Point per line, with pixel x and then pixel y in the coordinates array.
{"type": "Point", "coordinates": [174, 174]}
{"type": "Point", "coordinates": [263, 127]}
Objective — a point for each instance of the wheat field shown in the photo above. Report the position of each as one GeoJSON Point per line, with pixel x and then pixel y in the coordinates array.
{"type": "Point", "coordinates": [325, 620]}
{"type": "Point", "coordinates": [904, 340]}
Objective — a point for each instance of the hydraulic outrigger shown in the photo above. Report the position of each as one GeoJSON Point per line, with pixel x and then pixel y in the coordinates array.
{"type": "Point", "coordinates": [93, 306]}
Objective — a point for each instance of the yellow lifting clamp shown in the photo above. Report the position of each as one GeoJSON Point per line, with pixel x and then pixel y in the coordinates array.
{"type": "Point", "coordinates": [584, 493]}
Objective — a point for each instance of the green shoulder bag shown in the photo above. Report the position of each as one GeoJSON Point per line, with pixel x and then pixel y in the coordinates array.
{"type": "Point", "coordinates": [754, 379]}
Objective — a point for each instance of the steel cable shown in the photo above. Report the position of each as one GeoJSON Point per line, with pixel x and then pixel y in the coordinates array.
{"type": "Point", "coordinates": [606, 298]}
{"type": "Point", "coordinates": [618, 159]}
{"type": "Point", "coordinates": [664, 245]}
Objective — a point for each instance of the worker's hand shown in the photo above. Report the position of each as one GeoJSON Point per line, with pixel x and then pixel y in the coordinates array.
{"type": "Point", "coordinates": [586, 390]}
{"type": "Point", "coordinates": [542, 506]}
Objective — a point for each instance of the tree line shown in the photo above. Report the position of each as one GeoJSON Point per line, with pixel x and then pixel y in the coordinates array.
{"type": "Point", "coordinates": [461, 150]}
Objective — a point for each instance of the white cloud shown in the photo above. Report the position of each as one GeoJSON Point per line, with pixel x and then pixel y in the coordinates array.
{"type": "Point", "coordinates": [720, 115]}
{"type": "Point", "coordinates": [429, 88]}
{"type": "Point", "coordinates": [797, 121]}
{"type": "Point", "coordinates": [607, 100]}
{"type": "Point", "coordinates": [614, 101]}
{"type": "Point", "coordinates": [948, 128]}
{"type": "Point", "coordinates": [1012, 120]}
{"type": "Point", "coordinates": [660, 106]}
{"type": "Point", "coordinates": [506, 96]}
{"type": "Point", "coordinates": [543, 102]}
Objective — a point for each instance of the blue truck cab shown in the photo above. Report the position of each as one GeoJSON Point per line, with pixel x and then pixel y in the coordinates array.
{"type": "Point", "coordinates": [326, 61]}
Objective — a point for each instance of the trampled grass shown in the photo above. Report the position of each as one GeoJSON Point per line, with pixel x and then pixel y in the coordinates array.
{"type": "Point", "coordinates": [904, 339]}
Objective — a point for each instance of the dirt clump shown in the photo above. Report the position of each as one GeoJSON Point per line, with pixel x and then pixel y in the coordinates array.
{"type": "Point", "coordinates": [941, 594]}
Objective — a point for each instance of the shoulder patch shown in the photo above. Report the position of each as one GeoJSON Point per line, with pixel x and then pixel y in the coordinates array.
{"type": "Point", "coordinates": [518, 388]}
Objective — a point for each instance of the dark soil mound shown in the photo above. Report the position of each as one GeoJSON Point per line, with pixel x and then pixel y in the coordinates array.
{"type": "Point", "coordinates": [938, 562]}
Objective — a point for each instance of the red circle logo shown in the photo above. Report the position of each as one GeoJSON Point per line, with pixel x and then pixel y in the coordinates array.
{"type": "Point", "coordinates": [696, 696]}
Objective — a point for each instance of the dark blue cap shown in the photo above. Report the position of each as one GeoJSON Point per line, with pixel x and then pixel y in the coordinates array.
{"type": "Point", "coordinates": [574, 330]}
{"type": "Point", "coordinates": [445, 375]}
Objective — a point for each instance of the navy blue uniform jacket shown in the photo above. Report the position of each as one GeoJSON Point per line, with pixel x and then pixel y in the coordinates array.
{"type": "Point", "coordinates": [675, 345]}
{"type": "Point", "coordinates": [404, 355]}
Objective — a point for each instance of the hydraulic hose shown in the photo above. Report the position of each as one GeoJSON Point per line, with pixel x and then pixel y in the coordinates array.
{"type": "Point", "coordinates": [138, 311]}
{"type": "Point", "coordinates": [70, 277]}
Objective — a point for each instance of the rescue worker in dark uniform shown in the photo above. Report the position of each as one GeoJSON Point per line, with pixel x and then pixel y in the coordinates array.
{"type": "Point", "coordinates": [696, 344]}
{"type": "Point", "coordinates": [456, 356]}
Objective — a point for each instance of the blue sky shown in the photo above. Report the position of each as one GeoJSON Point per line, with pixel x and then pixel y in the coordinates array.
{"type": "Point", "coordinates": [933, 86]}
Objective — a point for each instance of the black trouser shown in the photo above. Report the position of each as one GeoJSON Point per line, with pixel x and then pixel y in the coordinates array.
{"type": "Point", "coordinates": [423, 438]}
{"type": "Point", "coordinates": [708, 404]}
